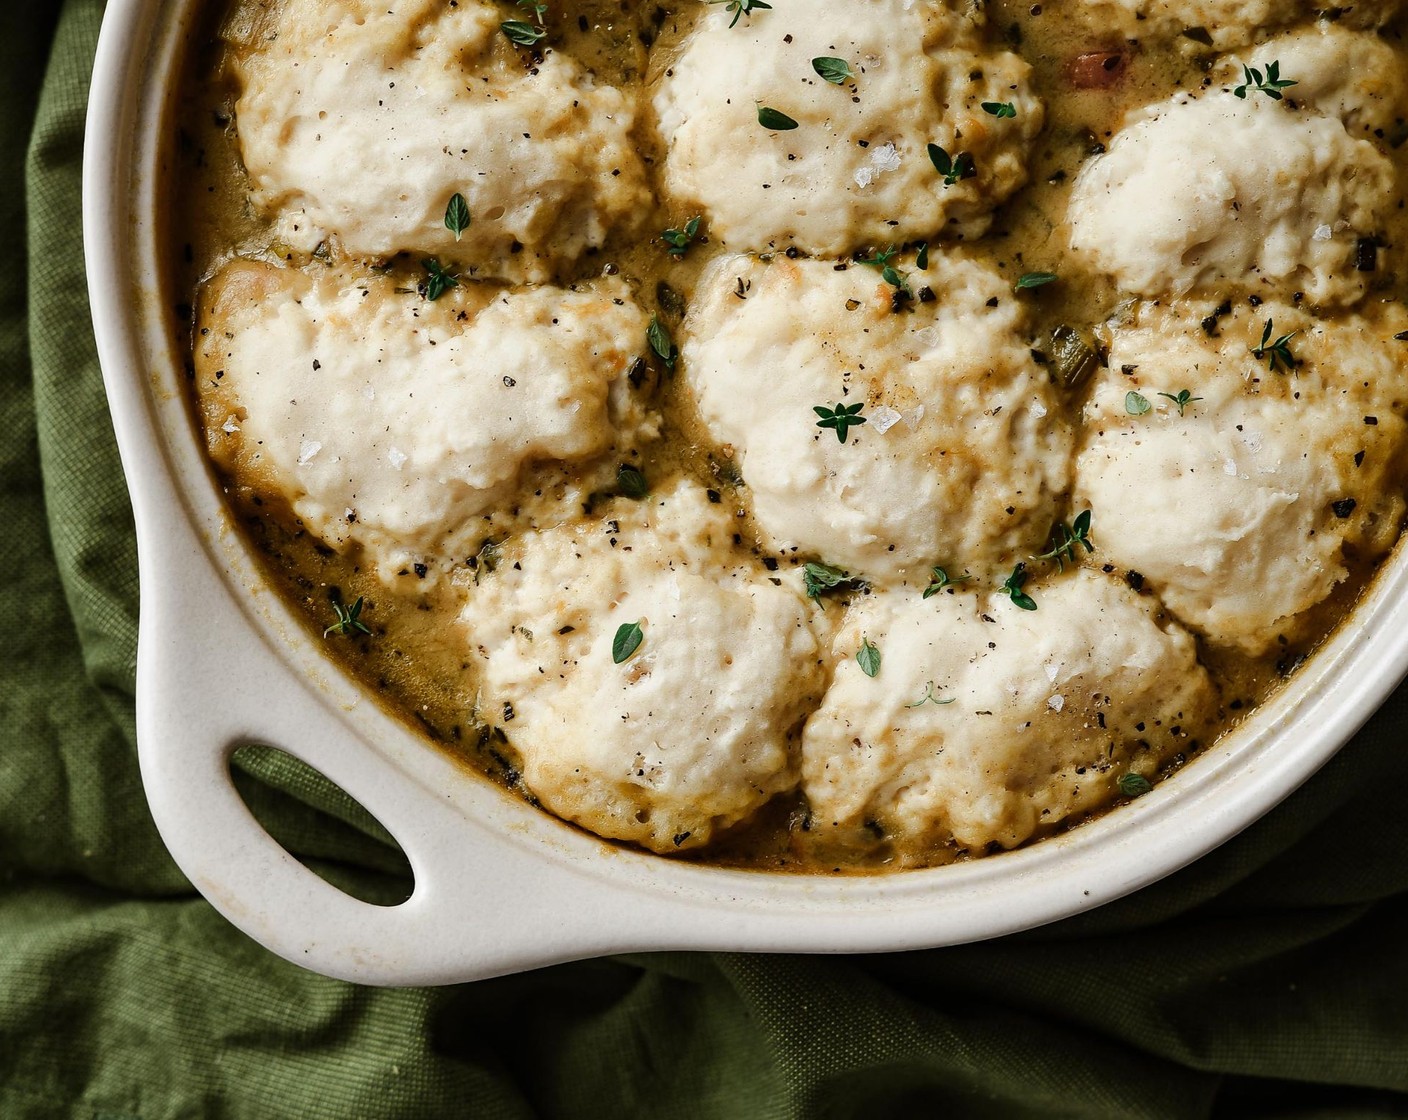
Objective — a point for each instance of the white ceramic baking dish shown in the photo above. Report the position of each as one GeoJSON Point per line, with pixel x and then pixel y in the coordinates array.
{"type": "Point", "coordinates": [500, 886]}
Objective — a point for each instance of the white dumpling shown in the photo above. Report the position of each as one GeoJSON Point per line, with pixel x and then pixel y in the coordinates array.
{"type": "Point", "coordinates": [1228, 23]}
{"type": "Point", "coordinates": [962, 456]}
{"type": "Point", "coordinates": [692, 732]}
{"type": "Point", "coordinates": [856, 170]}
{"type": "Point", "coordinates": [1352, 75]}
{"type": "Point", "coordinates": [393, 421]}
{"type": "Point", "coordinates": [1208, 191]}
{"type": "Point", "coordinates": [362, 120]}
{"type": "Point", "coordinates": [986, 722]}
{"type": "Point", "coordinates": [1242, 511]}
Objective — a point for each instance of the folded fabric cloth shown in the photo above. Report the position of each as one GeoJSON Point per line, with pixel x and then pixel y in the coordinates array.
{"type": "Point", "coordinates": [1268, 979]}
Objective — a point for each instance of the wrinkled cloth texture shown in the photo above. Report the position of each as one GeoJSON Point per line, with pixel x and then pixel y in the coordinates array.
{"type": "Point", "coordinates": [1269, 979]}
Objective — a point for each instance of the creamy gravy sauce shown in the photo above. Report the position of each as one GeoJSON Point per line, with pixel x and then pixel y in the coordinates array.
{"type": "Point", "coordinates": [416, 665]}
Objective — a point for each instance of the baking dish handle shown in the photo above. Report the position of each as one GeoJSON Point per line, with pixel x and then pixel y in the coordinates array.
{"type": "Point", "coordinates": [208, 685]}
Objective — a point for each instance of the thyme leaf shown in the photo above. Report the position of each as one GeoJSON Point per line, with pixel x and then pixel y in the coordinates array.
{"type": "Point", "coordinates": [773, 119]}
{"type": "Point", "coordinates": [457, 215]}
{"type": "Point", "coordinates": [833, 70]}
{"type": "Point", "coordinates": [663, 346]}
{"type": "Point", "coordinates": [629, 636]}
{"type": "Point", "coordinates": [522, 34]}
{"type": "Point", "coordinates": [868, 657]}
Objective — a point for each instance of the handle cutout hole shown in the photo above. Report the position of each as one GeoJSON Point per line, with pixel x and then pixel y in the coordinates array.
{"type": "Point", "coordinates": [321, 825]}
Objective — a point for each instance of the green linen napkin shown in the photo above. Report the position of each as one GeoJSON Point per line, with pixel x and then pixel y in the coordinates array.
{"type": "Point", "coordinates": [1270, 979]}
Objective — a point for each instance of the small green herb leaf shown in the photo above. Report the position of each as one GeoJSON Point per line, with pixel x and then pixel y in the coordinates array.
{"type": "Point", "coordinates": [1013, 587]}
{"type": "Point", "coordinates": [880, 260]}
{"type": "Point", "coordinates": [1134, 785]}
{"type": "Point", "coordinates": [952, 168]}
{"type": "Point", "coordinates": [536, 7]}
{"type": "Point", "coordinates": [631, 482]}
{"type": "Point", "coordinates": [1183, 398]}
{"type": "Point", "coordinates": [1068, 539]}
{"type": "Point", "coordinates": [437, 281]}
{"type": "Point", "coordinates": [457, 215]}
{"type": "Point", "coordinates": [522, 34]}
{"type": "Point", "coordinates": [658, 335]}
{"type": "Point", "coordinates": [868, 657]}
{"type": "Point", "coordinates": [1035, 280]}
{"type": "Point", "coordinates": [741, 8]}
{"type": "Point", "coordinates": [628, 639]}
{"type": "Point", "coordinates": [833, 70]}
{"type": "Point", "coordinates": [821, 578]}
{"type": "Point", "coordinates": [1277, 352]}
{"type": "Point", "coordinates": [773, 119]}
{"type": "Point", "coordinates": [679, 240]}
{"type": "Point", "coordinates": [939, 579]}
{"type": "Point", "coordinates": [921, 259]}
{"type": "Point", "coordinates": [1270, 84]}
{"type": "Point", "coordinates": [349, 619]}
{"type": "Point", "coordinates": [930, 698]}
{"type": "Point", "coordinates": [841, 418]}
{"type": "Point", "coordinates": [1136, 404]}
{"type": "Point", "coordinates": [1000, 109]}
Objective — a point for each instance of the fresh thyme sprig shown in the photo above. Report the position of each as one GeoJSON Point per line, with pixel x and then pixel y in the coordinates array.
{"type": "Point", "coordinates": [953, 168]}
{"type": "Point", "coordinates": [349, 619]}
{"type": "Point", "coordinates": [1182, 399]}
{"type": "Point", "coordinates": [1134, 785]}
{"type": "Point", "coordinates": [1270, 84]}
{"type": "Point", "coordinates": [1030, 280]}
{"type": "Point", "coordinates": [437, 280]}
{"type": "Point", "coordinates": [888, 272]}
{"type": "Point", "coordinates": [536, 7]}
{"type": "Point", "coordinates": [1068, 538]}
{"type": "Point", "coordinates": [841, 418]}
{"type": "Point", "coordinates": [939, 579]}
{"type": "Point", "coordinates": [679, 240]}
{"type": "Point", "coordinates": [1013, 587]}
{"type": "Point", "coordinates": [930, 698]}
{"type": "Point", "coordinates": [818, 579]}
{"type": "Point", "coordinates": [741, 8]}
{"type": "Point", "coordinates": [1000, 109]}
{"type": "Point", "coordinates": [1277, 352]}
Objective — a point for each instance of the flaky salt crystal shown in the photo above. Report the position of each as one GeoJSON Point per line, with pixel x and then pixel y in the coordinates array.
{"type": "Point", "coordinates": [884, 418]}
{"type": "Point", "coordinates": [307, 451]}
{"type": "Point", "coordinates": [885, 158]}
{"type": "Point", "coordinates": [396, 458]}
